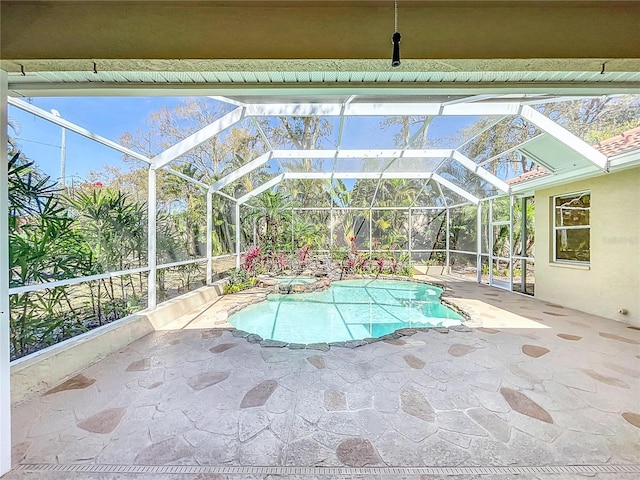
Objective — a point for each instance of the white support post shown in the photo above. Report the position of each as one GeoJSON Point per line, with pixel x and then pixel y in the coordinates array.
{"type": "Point", "coordinates": [490, 231]}
{"type": "Point", "coordinates": [151, 240]}
{"type": "Point", "coordinates": [331, 236]}
{"type": "Point", "coordinates": [448, 220]}
{"type": "Point", "coordinates": [293, 239]}
{"type": "Point", "coordinates": [5, 372]}
{"type": "Point", "coordinates": [523, 249]}
{"type": "Point", "coordinates": [63, 158]}
{"type": "Point", "coordinates": [511, 199]}
{"type": "Point", "coordinates": [237, 225]}
{"type": "Point", "coordinates": [479, 243]}
{"type": "Point", "coordinates": [410, 229]}
{"type": "Point", "coordinates": [370, 231]}
{"type": "Point", "coordinates": [209, 234]}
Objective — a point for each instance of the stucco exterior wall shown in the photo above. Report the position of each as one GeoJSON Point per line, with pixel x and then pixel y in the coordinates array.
{"type": "Point", "coordinates": [612, 280]}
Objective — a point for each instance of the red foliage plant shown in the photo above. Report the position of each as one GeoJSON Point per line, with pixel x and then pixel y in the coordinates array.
{"type": "Point", "coordinates": [251, 259]}
{"type": "Point", "coordinates": [303, 254]}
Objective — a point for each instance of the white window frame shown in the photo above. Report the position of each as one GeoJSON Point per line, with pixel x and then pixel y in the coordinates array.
{"type": "Point", "coordinates": [557, 228]}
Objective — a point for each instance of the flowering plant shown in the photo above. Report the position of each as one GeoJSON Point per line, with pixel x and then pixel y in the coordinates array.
{"type": "Point", "coordinates": [282, 261]}
{"type": "Point", "coordinates": [251, 259]}
{"type": "Point", "coordinates": [303, 254]}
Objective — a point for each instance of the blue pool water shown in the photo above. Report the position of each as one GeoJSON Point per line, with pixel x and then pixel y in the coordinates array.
{"type": "Point", "coordinates": [348, 310]}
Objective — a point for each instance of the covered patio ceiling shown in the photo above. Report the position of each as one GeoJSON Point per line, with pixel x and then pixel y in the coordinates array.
{"type": "Point", "coordinates": [535, 46]}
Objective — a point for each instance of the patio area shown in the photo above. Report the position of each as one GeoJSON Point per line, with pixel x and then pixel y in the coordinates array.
{"type": "Point", "coordinates": [531, 385]}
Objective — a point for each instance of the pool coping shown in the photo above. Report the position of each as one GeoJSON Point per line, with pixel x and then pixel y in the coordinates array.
{"type": "Point", "coordinates": [254, 338]}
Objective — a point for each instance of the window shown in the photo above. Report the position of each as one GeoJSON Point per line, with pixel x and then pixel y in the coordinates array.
{"type": "Point", "coordinates": [572, 228]}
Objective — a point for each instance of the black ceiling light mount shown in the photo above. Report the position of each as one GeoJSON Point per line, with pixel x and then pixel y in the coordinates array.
{"type": "Point", "coordinates": [395, 59]}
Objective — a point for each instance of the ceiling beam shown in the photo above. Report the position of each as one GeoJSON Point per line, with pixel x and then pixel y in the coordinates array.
{"type": "Point", "coordinates": [479, 171]}
{"type": "Point", "coordinates": [455, 188]}
{"type": "Point", "coordinates": [364, 153]}
{"type": "Point", "coordinates": [240, 172]}
{"type": "Point", "coordinates": [187, 178]}
{"type": "Point", "coordinates": [382, 109]}
{"type": "Point", "coordinates": [257, 191]}
{"type": "Point", "coordinates": [198, 138]}
{"type": "Point", "coordinates": [356, 175]}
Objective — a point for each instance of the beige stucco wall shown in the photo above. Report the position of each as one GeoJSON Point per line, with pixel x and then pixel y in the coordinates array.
{"type": "Point", "coordinates": [611, 282]}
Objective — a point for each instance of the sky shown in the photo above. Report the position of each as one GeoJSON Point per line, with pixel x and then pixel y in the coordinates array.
{"type": "Point", "coordinates": [110, 117]}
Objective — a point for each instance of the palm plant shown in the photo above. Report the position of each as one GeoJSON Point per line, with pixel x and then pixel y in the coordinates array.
{"type": "Point", "coordinates": [272, 215]}
{"type": "Point", "coordinates": [43, 247]}
{"type": "Point", "coordinates": [114, 226]}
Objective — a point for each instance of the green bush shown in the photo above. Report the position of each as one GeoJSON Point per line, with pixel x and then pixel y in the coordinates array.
{"type": "Point", "coordinates": [239, 279]}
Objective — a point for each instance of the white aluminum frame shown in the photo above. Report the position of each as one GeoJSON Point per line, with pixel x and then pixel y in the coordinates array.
{"type": "Point", "coordinates": [571, 227]}
{"type": "Point", "coordinates": [209, 234]}
{"type": "Point", "coordinates": [152, 208]}
{"type": "Point", "coordinates": [198, 138]}
{"type": "Point", "coordinates": [240, 172]}
{"type": "Point", "coordinates": [382, 109]}
{"type": "Point", "coordinates": [38, 112]}
{"type": "Point", "coordinates": [5, 371]}
{"type": "Point", "coordinates": [566, 137]}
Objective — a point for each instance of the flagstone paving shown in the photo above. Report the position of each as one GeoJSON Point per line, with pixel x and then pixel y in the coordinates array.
{"type": "Point", "coordinates": [532, 383]}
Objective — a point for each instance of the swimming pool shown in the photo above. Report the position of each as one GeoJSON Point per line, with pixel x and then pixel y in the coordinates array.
{"type": "Point", "coordinates": [348, 310]}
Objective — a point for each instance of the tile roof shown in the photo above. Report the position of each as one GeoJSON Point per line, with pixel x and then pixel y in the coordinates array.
{"type": "Point", "coordinates": [627, 141]}
{"type": "Point", "coordinates": [537, 172]}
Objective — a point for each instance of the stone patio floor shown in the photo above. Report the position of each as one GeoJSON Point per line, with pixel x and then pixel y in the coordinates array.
{"type": "Point", "coordinates": [534, 384]}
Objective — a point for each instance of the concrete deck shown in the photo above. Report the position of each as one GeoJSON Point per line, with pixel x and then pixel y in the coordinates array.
{"type": "Point", "coordinates": [534, 385]}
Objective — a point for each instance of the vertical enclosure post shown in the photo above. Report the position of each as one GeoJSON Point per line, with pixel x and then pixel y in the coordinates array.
{"type": "Point", "coordinates": [5, 372]}
{"type": "Point", "coordinates": [293, 239]}
{"type": "Point", "coordinates": [63, 158]}
{"type": "Point", "coordinates": [511, 200]}
{"type": "Point", "coordinates": [490, 241]}
{"type": "Point", "coordinates": [479, 244]}
{"type": "Point", "coordinates": [331, 238]}
{"type": "Point", "coordinates": [447, 244]}
{"type": "Point", "coordinates": [151, 239]}
{"type": "Point", "coordinates": [370, 232]}
{"type": "Point", "coordinates": [209, 234]}
{"type": "Point", "coordinates": [523, 249]}
{"type": "Point", "coordinates": [410, 231]}
{"type": "Point", "coordinates": [237, 225]}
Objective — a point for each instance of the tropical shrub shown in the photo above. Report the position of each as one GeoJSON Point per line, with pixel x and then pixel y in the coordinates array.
{"type": "Point", "coordinates": [43, 247]}
{"type": "Point", "coordinates": [239, 279]}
